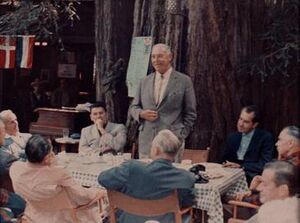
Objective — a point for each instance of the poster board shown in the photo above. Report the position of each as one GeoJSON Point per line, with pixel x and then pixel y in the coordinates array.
{"type": "Point", "coordinates": [138, 62]}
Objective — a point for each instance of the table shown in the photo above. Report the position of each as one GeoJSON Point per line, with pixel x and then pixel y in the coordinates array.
{"type": "Point", "coordinates": [64, 142]}
{"type": "Point", "coordinates": [208, 196]}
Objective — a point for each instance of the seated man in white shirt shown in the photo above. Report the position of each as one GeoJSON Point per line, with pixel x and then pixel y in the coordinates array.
{"type": "Point", "coordinates": [102, 136]}
{"type": "Point", "coordinates": [278, 193]}
{"type": "Point", "coordinates": [15, 141]}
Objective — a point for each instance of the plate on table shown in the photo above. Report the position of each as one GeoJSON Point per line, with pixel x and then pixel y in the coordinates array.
{"type": "Point", "coordinates": [92, 159]}
{"type": "Point", "coordinates": [211, 165]}
{"type": "Point", "coordinates": [183, 166]}
{"type": "Point", "coordinates": [213, 175]}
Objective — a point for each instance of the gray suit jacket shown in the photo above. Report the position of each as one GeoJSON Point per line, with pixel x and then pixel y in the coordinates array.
{"type": "Point", "coordinates": [92, 141]}
{"type": "Point", "coordinates": [176, 111]}
{"type": "Point", "coordinates": [149, 181]}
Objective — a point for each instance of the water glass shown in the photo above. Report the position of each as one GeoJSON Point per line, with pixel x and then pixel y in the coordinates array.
{"type": "Point", "coordinates": [65, 133]}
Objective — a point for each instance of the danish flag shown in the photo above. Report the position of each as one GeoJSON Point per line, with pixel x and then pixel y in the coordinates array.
{"type": "Point", "coordinates": [7, 51]}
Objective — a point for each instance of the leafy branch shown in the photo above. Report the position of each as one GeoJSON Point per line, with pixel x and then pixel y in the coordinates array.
{"type": "Point", "coordinates": [43, 18]}
{"type": "Point", "coordinates": [280, 40]}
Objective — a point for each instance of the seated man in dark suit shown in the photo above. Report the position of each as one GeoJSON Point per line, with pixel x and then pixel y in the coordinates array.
{"type": "Point", "coordinates": [152, 181]}
{"type": "Point", "coordinates": [249, 148]}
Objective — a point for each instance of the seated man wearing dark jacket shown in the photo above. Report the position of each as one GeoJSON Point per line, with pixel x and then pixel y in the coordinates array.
{"type": "Point", "coordinates": [152, 181]}
{"type": "Point", "coordinates": [249, 148]}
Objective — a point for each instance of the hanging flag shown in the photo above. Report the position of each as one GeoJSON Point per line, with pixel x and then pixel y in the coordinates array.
{"type": "Point", "coordinates": [24, 53]}
{"type": "Point", "coordinates": [7, 51]}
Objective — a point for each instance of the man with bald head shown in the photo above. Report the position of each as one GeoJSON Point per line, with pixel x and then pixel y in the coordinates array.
{"type": "Point", "coordinates": [165, 99]}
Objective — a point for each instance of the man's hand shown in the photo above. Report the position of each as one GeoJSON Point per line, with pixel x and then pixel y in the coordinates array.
{"type": "Point", "coordinates": [99, 124]}
{"type": "Point", "coordinates": [255, 182]}
{"type": "Point", "coordinates": [231, 164]}
{"type": "Point", "coordinates": [240, 196]}
{"type": "Point", "coordinates": [149, 115]}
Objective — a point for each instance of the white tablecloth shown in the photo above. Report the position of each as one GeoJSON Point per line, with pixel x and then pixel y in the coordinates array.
{"type": "Point", "coordinates": [208, 196]}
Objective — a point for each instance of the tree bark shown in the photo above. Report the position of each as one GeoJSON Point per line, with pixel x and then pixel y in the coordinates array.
{"type": "Point", "coordinates": [113, 31]}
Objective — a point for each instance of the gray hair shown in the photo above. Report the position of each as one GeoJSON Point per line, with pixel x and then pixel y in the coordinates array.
{"type": "Point", "coordinates": [285, 173]}
{"type": "Point", "coordinates": [164, 46]}
{"type": "Point", "coordinates": [167, 142]}
{"type": "Point", "coordinates": [4, 114]}
{"type": "Point", "coordinates": [293, 131]}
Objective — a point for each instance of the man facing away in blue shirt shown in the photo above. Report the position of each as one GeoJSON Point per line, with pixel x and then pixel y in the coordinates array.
{"type": "Point", "coordinates": [154, 180]}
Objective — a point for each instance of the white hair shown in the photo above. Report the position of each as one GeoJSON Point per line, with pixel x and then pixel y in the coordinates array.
{"type": "Point", "coordinates": [4, 115]}
{"type": "Point", "coordinates": [164, 46]}
{"type": "Point", "coordinates": [166, 142]}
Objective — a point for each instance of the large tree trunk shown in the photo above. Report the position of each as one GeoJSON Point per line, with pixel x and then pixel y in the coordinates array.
{"type": "Point", "coordinates": [113, 31]}
{"type": "Point", "coordinates": [220, 35]}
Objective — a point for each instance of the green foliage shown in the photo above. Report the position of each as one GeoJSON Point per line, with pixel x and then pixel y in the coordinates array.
{"type": "Point", "coordinates": [43, 18]}
{"type": "Point", "coordinates": [280, 40]}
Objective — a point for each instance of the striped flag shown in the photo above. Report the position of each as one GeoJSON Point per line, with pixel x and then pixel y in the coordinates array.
{"type": "Point", "coordinates": [7, 51]}
{"type": "Point", "coordinates": [24, 53]}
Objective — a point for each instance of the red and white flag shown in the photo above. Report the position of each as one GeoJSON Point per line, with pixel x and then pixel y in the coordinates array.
{"type": "Point", "coordinates": [24, 53]}
{"type": "Point", "coordinates": [7, 51]}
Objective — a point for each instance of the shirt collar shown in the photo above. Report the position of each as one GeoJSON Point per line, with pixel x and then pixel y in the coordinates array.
{"type": "Point", "coordinates": [166, 74]}
{"type": "Point", "coordinates": [249, 134]}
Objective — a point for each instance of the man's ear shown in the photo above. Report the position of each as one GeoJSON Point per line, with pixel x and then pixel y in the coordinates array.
{"type": "Point", "coordinates": [156, 151]}
{"type": "Point", "coordinates": [170, 57]}
{"type": "Point", "coordinates": [284, 191]}
{"type": "Point", "coordinates": [255, 124]}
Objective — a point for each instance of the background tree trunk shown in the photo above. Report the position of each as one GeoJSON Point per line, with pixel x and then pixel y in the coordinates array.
{"type": "Point", "coordinates": [113, 31]}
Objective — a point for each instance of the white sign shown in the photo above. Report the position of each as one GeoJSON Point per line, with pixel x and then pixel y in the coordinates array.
{"type": "Point", "coordinates": [66, 70]}
{"type": "Point", "coordinates": [138, 62]}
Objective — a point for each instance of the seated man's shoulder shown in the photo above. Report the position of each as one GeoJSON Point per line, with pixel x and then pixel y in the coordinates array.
{"type": "Point", "coordinates": [117, 125]}
{"type": "Point", "coordinates": [187, 175]}
{"type": "Point", "coordinates": [233, 135]}
{"type": "Point", "coordinates": [25, 135]}
{"type": "Point", "coordinates": [264, 133]}
{"type": "Point", "coordinates": [88, 128]}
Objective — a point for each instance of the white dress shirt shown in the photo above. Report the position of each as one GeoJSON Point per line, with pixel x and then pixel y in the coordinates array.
{"type": "Point", "coordinates": [160, 85]}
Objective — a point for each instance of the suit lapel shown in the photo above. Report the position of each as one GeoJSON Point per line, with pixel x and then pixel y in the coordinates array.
{"type": "Point", "coordinates": [95, 132]}
{"type": "Point", "coordinates": [108, 127]}
{"type": "Point", "coordinates": [170, 86]}
{"type": "Point", "coordinates": [253, 141]}
{"type": "Point", "coordinates": [151, 88]}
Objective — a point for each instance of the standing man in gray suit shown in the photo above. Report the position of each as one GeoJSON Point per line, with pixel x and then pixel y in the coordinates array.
{"type": "Point", "coordinates": [103, 136]}
{"type": "Point", "coordinates": [165, 99]}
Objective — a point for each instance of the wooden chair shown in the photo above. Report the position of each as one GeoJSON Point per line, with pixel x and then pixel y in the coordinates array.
{"type": "Point", "coordinates": [5, 182]}
{"type": "Point", "coordinates": [62, 201]}
{"type": "Point", "coordinates": [141, 207]}
{"type": "Point", "coordinates": [235, 204]}
{"type": "Point", "coordinates": [134, 150]}
{"type": "Point", "coordinates": [196, 155]}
